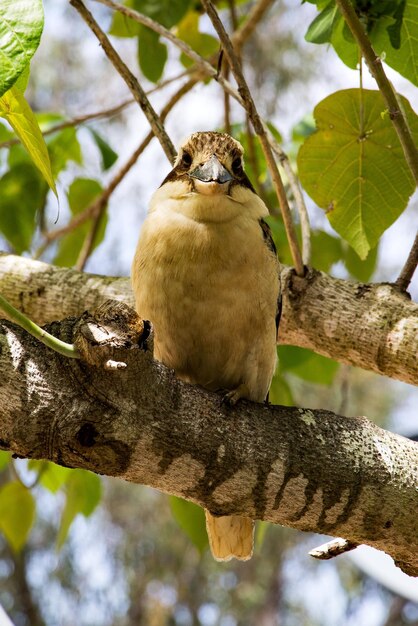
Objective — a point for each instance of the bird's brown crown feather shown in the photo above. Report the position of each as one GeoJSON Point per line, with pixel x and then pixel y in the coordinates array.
{"type": "Point", "coordinates": [207, 143]}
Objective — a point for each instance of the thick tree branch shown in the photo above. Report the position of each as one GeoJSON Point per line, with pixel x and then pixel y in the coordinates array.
{"type": "Point", "coordinates": [306, 469]}
{"type": "Point", "coordinates": [371, 326]}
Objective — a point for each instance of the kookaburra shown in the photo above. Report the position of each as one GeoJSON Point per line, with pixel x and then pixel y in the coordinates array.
{"type": "Point", "coordinates": [206, 274]}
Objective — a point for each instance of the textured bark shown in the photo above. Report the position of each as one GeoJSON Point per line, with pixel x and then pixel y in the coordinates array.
{"type": "Point", "coordinates": [306, 469]}
{"type": "Point", "coordinates": [372, 326]}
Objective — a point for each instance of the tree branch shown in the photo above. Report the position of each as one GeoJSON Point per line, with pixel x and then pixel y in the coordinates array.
{"type": "Point", "coordinates": [409, 268]}
{"type": "Point", "coordinates": [131, 81]}
{"type": "Point", "coordinates": [305, 469]}
{"type": "Point", "coordinates": [371, 326]}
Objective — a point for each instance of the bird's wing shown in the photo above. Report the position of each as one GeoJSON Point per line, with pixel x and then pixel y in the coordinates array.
{"type": "Point", "coordinates": [268, 239]}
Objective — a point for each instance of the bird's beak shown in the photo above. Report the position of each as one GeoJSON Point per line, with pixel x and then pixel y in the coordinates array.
{"type": "Point", "coordinates": [212, 172]}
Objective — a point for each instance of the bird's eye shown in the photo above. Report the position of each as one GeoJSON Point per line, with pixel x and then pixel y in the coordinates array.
{"type": "Point", "coordinates": [186, 159]}
{"type": "Point", "coordinates": [237, 165]}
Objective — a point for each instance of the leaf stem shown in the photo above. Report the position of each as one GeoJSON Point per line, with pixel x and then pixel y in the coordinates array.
{"type": "Point", "coordinates": [66, 349]}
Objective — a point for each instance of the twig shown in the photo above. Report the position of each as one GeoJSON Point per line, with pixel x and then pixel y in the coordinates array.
{"type": "Point", "coordinates": [87, 247]}
{"type": "Point", "coordinates": [260, 131]}
{"type": "Point", "coordinates": [409, 268]}
{"type": "Point", "coordinates": [67, 349]}
{"type": "Point", "coordinates": [332, 548]}
{"type": "Point", "coordinates": [99, 204]}
{"type": "Point", "coordinates": [374, 63]}
{"type": "Point", "coordinates": [294, 184]}
{"type": "Point", "coordinates": [131, 80]}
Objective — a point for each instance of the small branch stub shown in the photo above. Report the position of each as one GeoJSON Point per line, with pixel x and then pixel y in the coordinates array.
{"type": "Point", "coordinates": [332, 549]}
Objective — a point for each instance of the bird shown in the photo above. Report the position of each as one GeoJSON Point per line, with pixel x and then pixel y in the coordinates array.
{"type": "Point", "coordinates": [207, 276]}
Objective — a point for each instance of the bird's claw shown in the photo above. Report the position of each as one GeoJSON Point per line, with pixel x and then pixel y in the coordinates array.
{"type": "Point", "coordinates": [230, 398]}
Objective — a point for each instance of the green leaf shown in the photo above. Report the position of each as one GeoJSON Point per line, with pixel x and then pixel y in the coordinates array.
{"type": "Point", "coordinates": [152, 54]}
{"type": "Point", "coordinates": [280, 391]}
{"type": "Point", "coordinates": [17, 514]}
{"type": "Point", "coordinates": [83, 495]}
{"type": "Point", "coordinates": [109, 156]}
{"type": "Point", "coordinates": [326, 250]}
{"type": "Point", "coordinates": [191, 519]}
{"type": "Point", "coordinates": [21, 24]}
{"type": "Point", "coordinates": [63, 147]}
{"type": "Point", "coordinates": [361, 269]}
{"type": "Point", "coordinates": [15, 109]}
{"type": "Point", "coordinates": [307, 365]}
{"type": "Point", "coordinates": [4, 459]}
{"type": "Point", "coordinates": [188, 31]}
{"type": "Point", "coordinates": [166, 12]}
{"type": "Point", "coordinates": [405, 59]}
{"type": "Point", "coordinates": [124, 26]}
{"type": "Point", "coordinates": [358, 175]}
{"type": "Point", "coordinates": [52, 476]}
{"type": "Point", "coordinates": [81, 193]}
{"type": "Point", "coordinates": [344, 44]}
{"type": "Point", "coordinates": [320, 30]}
{"type": "Point", "coordinates": [22, 81]}
{"type": "Point", "coordinates": [21, 195]}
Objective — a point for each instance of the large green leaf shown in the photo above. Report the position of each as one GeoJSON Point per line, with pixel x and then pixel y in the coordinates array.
{"type": "Point", "coordinates": [191, 519]}
{"type": "Point", "coordinates": [81, 193]}
{"type": "Point", "coordinates": [21, 24]}
{"type": "Point", "coordinates": [152, 54]}
{"type": "Point", "coordinates": [15, 109]}
{"type": "Point", "coordinates": [21, 195]}
{"type": "Point", "coordinates": [357, 171]}
{"type": "Point", "coordinates": [83, 495]}
{"type": "Point", "coordinates": [17, 513]}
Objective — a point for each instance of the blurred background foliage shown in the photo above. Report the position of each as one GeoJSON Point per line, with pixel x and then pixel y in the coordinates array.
{"type": "Point", "coordinates": [78, 549]}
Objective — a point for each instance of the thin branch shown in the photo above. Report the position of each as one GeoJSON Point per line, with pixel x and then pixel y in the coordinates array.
{"type": "Point", "coordinates": [260, 131]}
{"type": "Point", "coordinates": [374, 63]}
{"type": "Point", "coordinates": [131, 81]}
{"type": "Point", "coordinates": [409, 268]}
{"type": "Point", "coordinates": [99, 204]}
{"type": "Point", "coordinates": [66, 349]}
{"type": "Point", "coordinates": [87, 247]}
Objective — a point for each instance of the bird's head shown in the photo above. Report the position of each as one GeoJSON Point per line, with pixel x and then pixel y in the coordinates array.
{"type": "Point", "coordinates": [208, 179]}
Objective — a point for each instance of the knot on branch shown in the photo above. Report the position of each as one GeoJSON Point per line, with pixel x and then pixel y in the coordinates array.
{"type": "Point", "coordinates": [112, 336]}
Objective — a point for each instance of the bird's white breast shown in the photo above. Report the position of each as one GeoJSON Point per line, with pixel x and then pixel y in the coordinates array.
{"type": "Point", "coordinates": [210, 289]}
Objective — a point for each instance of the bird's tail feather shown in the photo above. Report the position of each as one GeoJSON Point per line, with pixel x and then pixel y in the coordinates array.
{"type": "Point", "coordinates": [230, 537]}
